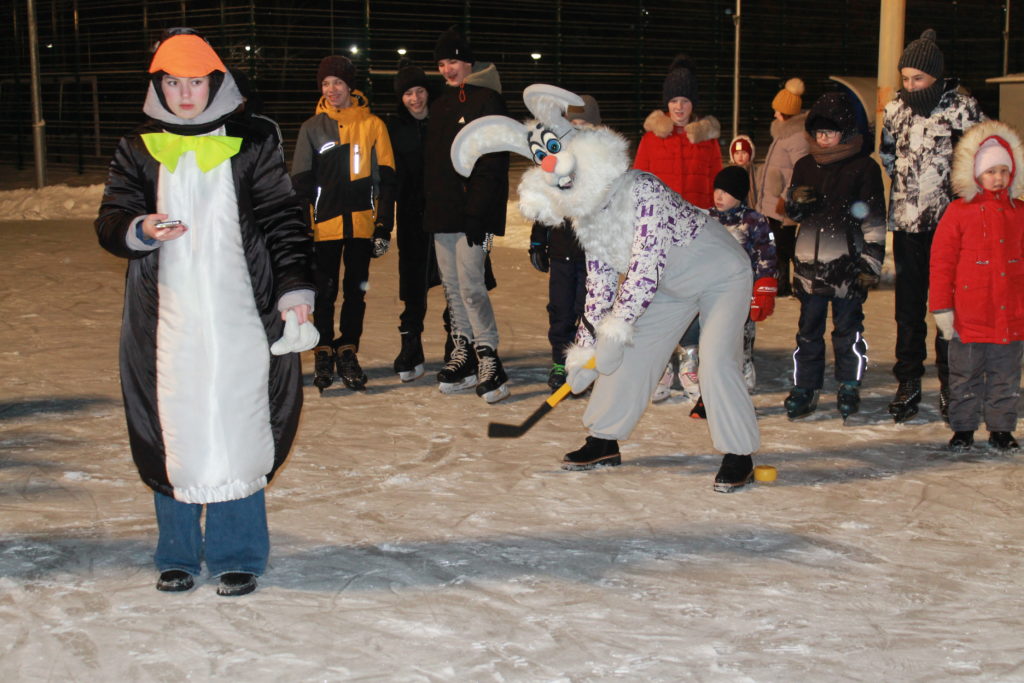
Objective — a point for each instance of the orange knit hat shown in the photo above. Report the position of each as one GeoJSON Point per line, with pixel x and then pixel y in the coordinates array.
{"type": "Point", "coordinates": [186, 55]}
{"type": "Point", "coordinates": [788, 100]}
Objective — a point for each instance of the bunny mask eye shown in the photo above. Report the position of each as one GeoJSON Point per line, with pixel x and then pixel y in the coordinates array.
{"type": "Point", "coordinates": [542, 143]}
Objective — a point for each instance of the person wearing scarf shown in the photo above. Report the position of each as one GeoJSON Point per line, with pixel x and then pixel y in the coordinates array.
{"type": "Point", "coordinates": [837, 198]}
{"type": "Point", "coordinates": [920, 129]}
{"type": "Point", "coordinates": [211, 412]}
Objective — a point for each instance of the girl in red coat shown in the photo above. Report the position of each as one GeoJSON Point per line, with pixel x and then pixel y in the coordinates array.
{"type": "Point", "coordinates": [977, 285]}
{"type": "Point", "coordinates": [679, 148]}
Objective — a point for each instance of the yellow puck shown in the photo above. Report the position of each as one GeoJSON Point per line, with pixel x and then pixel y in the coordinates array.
{"type": "Point", "coordinates": [765, 473]}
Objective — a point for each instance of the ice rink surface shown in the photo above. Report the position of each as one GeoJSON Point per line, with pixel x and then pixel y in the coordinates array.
{"type": "Point", "coordinates": [408, 546]}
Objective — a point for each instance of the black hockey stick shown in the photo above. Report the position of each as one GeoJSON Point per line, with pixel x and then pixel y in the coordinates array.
{"type": "Point", "coordinates": [497, 430]}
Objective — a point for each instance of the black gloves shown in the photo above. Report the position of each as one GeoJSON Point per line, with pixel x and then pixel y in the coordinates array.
{"type": "Point", "coordinates": [539, 257]}
{"type": "Point", "coordinates": [381, 240]}
{"type": "Point", "coordinates": [804, 194]}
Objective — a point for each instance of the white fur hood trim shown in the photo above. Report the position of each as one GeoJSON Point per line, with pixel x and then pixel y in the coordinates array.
{"type": "Point", "coordinates": [964, 183]}
{"type": "Point", "coordinates": [615, 330]}
{"type": "Point", "coordinates": [660, 123]}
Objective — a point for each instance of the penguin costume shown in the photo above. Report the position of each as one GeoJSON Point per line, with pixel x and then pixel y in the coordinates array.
{"type": "Point", "coordinates": [211, 412]}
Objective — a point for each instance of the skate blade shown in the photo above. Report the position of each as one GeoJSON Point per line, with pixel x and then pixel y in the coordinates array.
{"type": "Point", "coordinates": [899, 417]}
{"type": "Point", "coordinates": [495, 395]}
{"type": "Point", "coordinates": [411, 375]}
{"type": "Point", "coordinates": [355, 385]}
{"type": "Point", "coordinates": [455, 387]}
{"type": "Point", "coordinates": [732, 486]}
{"type": "Point", "coordinates": [606, 461]}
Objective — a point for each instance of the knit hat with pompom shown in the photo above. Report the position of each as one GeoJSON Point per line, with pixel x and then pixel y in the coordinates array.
{"type": "Point", "coordinates": [924, 55]}
{"type": "Point", "coordinates": [789, 100]}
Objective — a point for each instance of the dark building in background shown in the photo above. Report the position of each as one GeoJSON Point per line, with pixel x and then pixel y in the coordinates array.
{"type": "Point", "coordinates": [93, 54]}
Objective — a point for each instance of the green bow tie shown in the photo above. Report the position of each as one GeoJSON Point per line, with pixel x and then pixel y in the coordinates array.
{"type": "Point", "coordinates": [210, 150]}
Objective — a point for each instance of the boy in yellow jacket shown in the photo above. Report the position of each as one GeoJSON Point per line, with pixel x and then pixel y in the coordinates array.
{"type": "Point", "coordinates": [345, 170]}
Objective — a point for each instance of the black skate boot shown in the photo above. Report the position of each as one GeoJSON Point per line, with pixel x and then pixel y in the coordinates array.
{"type": "Point", "coordinates": [323, 367]}
{"type": "Point", "coordinates": [801, 402]}
{"type": "Point", "coordinates": [944, 404]}
{"type": "Point", "coordinates": [961, 442]}
{"type": "Point", "coordinates": [492, 382]}
{"type": "Point", "coordinates": [409, 363]}
{"type": "Point", "coordinates": [556, 376]}
{"type": "Point", "coordinates": [1003, 442]}
{"type": "Point", "coordinates": [847, 399]}
{"type": "Point", "coordinates": [698, 411]}
{"type": "Point", "coordinates": [594, 453]}
{"type": "Point", "coordinates": [460, 371]}
{"type": "Point", "coordinates": [349, 370]}
{"type": "Point", "coordinates": [908, 395]}
{"type": "Point", "coordinates": [736, 472]}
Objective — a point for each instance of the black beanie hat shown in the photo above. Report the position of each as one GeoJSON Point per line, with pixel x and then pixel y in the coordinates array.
{"type": "Point", "coordinates": [453, 45]}
{"type": "Point", "coordinates": [680, 81]}
{"type": "Point", "coordinates": [338, 66]}
{"type": "Point", "coordinates": [735, 181]}
{"type": "Point", "coordinates": [832, 111]}
{"type": "Point", "coordinates": [924, 55]}
{"type": "Point", "coordinates": [410, 76]}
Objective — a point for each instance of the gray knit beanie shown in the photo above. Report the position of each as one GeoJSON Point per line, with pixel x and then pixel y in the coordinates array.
{"type": "Point", "coordinates": [924, 55]}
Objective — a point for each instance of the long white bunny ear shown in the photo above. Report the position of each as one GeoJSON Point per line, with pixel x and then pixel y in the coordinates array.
{"type": "Point", "coordinates": [548, 104]}
{"type": "Point", "coordinates": [488, 134]}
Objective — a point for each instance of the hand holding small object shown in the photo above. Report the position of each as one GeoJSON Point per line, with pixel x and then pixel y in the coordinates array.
{"type": "Point", "coordinates": [155, 226]}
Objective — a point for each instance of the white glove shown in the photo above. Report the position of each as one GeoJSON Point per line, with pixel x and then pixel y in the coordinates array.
{"type": "Point", "coordinates": [612, 336]}
{"type": "Point", "coordinates": [577, 375]}
{"type": "Point", "coordinates": [296, 337]}
{"type": "Point", "coordinates": [944, 321]}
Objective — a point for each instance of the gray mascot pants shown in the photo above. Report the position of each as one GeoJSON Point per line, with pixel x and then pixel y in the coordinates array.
{"type": "Point", "coordinates": [711, 277]}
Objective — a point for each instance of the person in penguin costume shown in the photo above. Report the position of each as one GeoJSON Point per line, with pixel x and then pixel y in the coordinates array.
{"type": "Point", "coordinates": [199, 201]}
{"type": "Point", "coordinates": [675, 263]}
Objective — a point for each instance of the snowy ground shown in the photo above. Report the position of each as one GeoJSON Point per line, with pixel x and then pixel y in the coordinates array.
{"type": "Point", "coordinates": [407, 546]}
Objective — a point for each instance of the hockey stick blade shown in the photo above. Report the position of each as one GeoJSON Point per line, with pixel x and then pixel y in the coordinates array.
{"type": "Point", "coordinates": [497, 430]}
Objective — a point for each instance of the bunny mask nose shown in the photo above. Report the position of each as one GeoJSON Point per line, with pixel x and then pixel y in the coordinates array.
{"type": "Point", "coordinates": [549, 162]}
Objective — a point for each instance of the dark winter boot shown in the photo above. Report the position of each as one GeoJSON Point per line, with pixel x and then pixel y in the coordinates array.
{"type": "Point", "coordinates": [594, 453]}
{"type": "Point", "coordinates": [174, 581]}
{"type": "Point", "coordinates": [460, 371]}
{"type": "Point", "coordinates": [556, 376]}
{"type": "Point", "coordinates": [944, 404]}
{"type": "Point", "coordinates": [736, 472]}
{"type": "Point", "coordinates": [698, 411]}
{"type": "Point", "coordinates": [409, 363]}
{"type": "Point", "coordinates": [323, 367]}
{"type": "Point", "coordinates": [234, 584]}
{"type": "Point", "coordinates": [492, 382]}
{"type": "Point", "coordinates": [848, 399]}
{"type": "Point", "coordinates": [962, 442]}
{"type": "Point", "coordinates": [908, 395]}
{"type": "Point", "coordinates": [1003, 441]}
{"type": "Point", "coordinates": [349, 370]}
{"type": "Point", "coordinates": [801, 402]}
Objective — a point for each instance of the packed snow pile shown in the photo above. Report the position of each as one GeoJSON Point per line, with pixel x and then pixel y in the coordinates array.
{"type": "Point", "coordinates": [50, 203]}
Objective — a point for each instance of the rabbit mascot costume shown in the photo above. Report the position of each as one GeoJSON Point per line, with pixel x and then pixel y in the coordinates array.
{"type": "Point", "coordinates": [674, 261]}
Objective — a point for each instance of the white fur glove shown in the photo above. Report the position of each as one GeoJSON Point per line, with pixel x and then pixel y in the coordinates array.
{"type": "Point", "coordinates": [577, 374]}
{"type": "Point", "coordinates": [613, 334]}
{"type": "Point", "coordinates": [944, 321]}
{"type": "Point", "coordinates": [296, 337]}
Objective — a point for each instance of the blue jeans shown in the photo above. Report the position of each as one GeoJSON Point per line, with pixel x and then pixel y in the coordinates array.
{"type": "Point", "coordinates": [236, 540]}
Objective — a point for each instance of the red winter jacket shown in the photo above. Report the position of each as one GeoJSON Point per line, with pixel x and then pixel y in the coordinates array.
{"type": "Point", "coordinates": [977, 268]}
{"type": "Point", "coordinates": [688, 168]}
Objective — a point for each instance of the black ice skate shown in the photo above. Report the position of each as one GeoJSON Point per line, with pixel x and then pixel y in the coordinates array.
{"type": "Point", "coordinates": [698, 411]}
{"type": "Point", "coordinates": [492, 382]}
{"type": "Point", "coordinates": [556, 376]}
{"type": "Point", "coordinates": [736, 472]}
{"type": "Point", "coordinates": [174, 581]}
{"type": "Point", "coordinates": [1003, 442]}
{"type": "Point", "coordinates": [961, 442]}
{"type": "Point", "coordinates": [323, 367]}
{"type": "Point", "coordinates": [349, 370]}
{"type": "Point", "coordinates": [908, 395]}
{"type": "Point", "coordinates": [944, 404]}
{"type": "Point", "coordinates": [801, 402]}
{"type": "Point", "coordinates": [847, 399]}
{"type": "Point", "coordinates": [594, 453]}
{"type": "Point", "coordinates": [460, 371]}
{"type": "Point", "coordinates": [409, 363]}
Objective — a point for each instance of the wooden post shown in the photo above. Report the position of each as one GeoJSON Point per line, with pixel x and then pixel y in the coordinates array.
{"type": "Point", "coordinates": [890, 47]}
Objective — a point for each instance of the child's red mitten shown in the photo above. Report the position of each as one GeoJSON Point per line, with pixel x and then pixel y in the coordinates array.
{"type": "Point", "coordinates": [762, 303]}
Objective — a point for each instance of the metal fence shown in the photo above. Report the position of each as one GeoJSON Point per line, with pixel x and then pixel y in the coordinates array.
{"type": "Point", "coordinates": [94, 54]}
